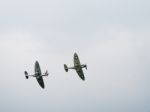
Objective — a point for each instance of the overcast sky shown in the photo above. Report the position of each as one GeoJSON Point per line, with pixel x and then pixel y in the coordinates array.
{"type": "Point", "coordinates": [111, 36]}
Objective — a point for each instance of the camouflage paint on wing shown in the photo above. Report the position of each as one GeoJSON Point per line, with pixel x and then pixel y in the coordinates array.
{"type": "Point", "coordinates": [39, 77]}
{"type": "Point", "coordinates": [78, 67]}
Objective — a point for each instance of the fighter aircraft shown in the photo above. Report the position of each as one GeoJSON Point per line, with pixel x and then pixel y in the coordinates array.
{"type": "Point", "coordinates": [77, 66]}
{"type": "Point", "coordinates": [38, 74]}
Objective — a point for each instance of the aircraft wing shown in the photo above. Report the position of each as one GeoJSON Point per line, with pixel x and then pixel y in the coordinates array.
{"type": "Point", "coordinates": [40, 81]}
{"type": "Point", "coordinates": [81, 74]}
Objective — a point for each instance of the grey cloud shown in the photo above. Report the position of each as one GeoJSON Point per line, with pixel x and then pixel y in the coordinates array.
{"type": "Point", "coordinates": [112, 37]}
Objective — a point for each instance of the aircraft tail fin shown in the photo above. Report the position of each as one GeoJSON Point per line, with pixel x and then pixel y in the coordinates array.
{"type": "Point", "coordinates": [26, 74]}
{"type": "Point", "coordinates": [65, 67]}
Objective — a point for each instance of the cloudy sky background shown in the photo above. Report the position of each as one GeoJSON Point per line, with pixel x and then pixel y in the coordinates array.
{"type": "Point", "coordinates": [111, 36]}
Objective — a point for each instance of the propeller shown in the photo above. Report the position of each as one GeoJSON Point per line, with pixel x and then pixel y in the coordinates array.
{"type": "Point", "coordinates": [46, 73]}
{"type": "Point", "coordinates": [85, 66]}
